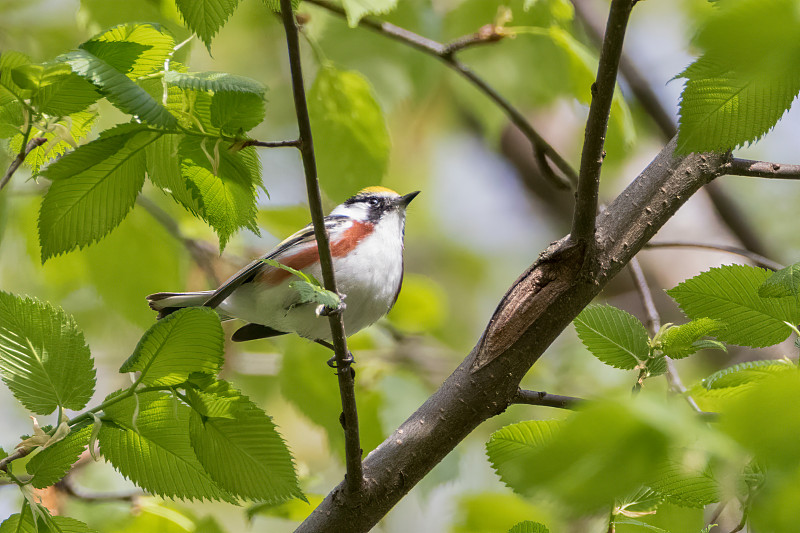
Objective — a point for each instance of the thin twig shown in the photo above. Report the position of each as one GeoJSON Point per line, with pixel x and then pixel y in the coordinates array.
{"type": "Point", "coordinates": [67, 486]}
{"type": "Point", "coordinates": [759, 260]}
{"type": "Point", "coordinates": [355, 475]}
{"type": "Point", "coordinates": [533, 397]}
{"type": "Point", "coordinates": [271, 144]}
{"type": "Point", "coordinates": [487, 34]}
{"type": "Point", "coordinates": [583, 222]}
{"type": "Point", "coordinates": [761, 169]}
{"type": "Point", "coordinates": [197, 249]}
{"type": "Point", "coordinates": [18, 454]}
{"type": "Point", "coordinates": [446, 54]}
{"type": "Point", "coordinates": [17, 162]}
{"type": "Point", "coordinates": [654, 320]}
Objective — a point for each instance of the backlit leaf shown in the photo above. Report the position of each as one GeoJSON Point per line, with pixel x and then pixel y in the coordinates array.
{"type": "Point", "coordinates": [206, 17]}
{"type": "Point", "coordinates": [51, 464]}
{"type": "Point", "coordinates": [615, 337]}
{"type": "Point", "coordinates": [784, 282]}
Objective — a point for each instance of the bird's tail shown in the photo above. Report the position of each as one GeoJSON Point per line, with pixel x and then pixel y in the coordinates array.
{"type": "Point", "coordinates": [169, 302]}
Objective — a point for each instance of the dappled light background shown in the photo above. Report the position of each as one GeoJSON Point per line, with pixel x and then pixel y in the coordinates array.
{"type": "Point", "coordinates": [484, 215]}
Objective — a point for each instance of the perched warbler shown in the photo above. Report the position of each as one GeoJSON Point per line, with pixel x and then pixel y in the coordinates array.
{"type": "Point", "coordinates": [366, 240]}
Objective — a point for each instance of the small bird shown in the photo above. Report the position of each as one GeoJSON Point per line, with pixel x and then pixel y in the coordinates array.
{"type": "Point", "coordinates": [366, 240]}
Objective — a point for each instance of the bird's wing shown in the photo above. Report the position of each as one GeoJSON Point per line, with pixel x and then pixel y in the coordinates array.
{"type": "Point", "coordinates": [302, 241]}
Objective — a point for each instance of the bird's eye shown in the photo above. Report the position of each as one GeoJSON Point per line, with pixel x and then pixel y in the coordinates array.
{"type": "Point", "coordinates": [373, 202]}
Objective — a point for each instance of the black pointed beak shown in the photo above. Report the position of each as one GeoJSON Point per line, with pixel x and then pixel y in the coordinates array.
{"type": "Point", "coordinates": [403, 201]}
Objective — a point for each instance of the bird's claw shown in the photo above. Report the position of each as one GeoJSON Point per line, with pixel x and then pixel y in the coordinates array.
{"type": "Point", "coordinates": [349, 360]}
{"type": "Point", "coordinates": [327, 311]}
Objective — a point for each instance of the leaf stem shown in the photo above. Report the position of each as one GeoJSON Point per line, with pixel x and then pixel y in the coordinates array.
{"type": "Point", "coordinates": [27, 148]}
{"type": "Point", "coordinates": [532, 397]}
{"type": "Point", "coordinates": [355, 476]}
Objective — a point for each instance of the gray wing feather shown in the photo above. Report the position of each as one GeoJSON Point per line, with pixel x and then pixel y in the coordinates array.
{"type": "Point", "coordinates": [250, 271]}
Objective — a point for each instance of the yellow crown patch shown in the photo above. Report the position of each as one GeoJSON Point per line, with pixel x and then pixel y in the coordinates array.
{"type": "Point", "coordinates": [376, 189]}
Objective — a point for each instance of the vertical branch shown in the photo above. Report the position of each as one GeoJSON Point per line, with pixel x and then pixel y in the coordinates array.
{"type": "Point", "coordinates": [27, 147]}
{"type": "Point", "coordinates": [583, 222]}
{"type": "Point", "coordinates": [306, 146]}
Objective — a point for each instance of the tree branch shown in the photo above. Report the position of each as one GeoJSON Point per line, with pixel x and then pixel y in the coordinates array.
{"type": "Point", "coordinates": [583, 222]}
{"type": "Point", "coordinates": [534, 311]}
{"type": "Point", "coordinates": [726, 207]}
{"type": "Point", "coordinates": [446, 54]}
{"type": "Point", "coordinates": [17, 162]}
{"type": "Point", "coordinates": [18, 454]}
{"type": "Point", "coordinates": [759, 260]}
{"type": "Point", "coordinates": [354, 479]}
{"type": "Point", "coordinates": [761, 169]}
{"type": "Point", "coordinates": [654, 323]}
{"type": "Point", "coordinates": [271, 144]}
{"type": "Point", "coordinates": [533, 397]}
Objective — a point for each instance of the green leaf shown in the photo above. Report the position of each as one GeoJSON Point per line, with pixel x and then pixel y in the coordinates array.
{"type": "Point", "coordinates": [275, 5]}
{"type": "Point", "coordinates": [656, 366]}
{"type": "Point", "coordinates": [225, 185]}
{"type": "Point", "coordinates": [784, 282]}
{"type": "Point", "coordinates": [51, 464]}
{"type": "Point", "coordinates": [529, 527]}
{"type": "Point", "coordinates": [186, 341]}
{"type": "Point", "coordinates": [615, 337]}
{"type": "Point", "coordinates": [351, 139]}
{"type": "Point", "coordinates": [235, 112]}
{"type": "Point", "coordinates": [44, 359]}
{"type": "Point", "coordinates": [747, 373]}
{"type": "Point", "coordinates": [358, 9]}
{"type": "Point", "coordinates": [684, 485]}
{"type": "Point", "coordinates": [214, 401]}
{"type": "Point", "coordinates": [164, 170]}
{"type": "Point", "coordinates": [518, 441]}
{"type": "Point", "coordinates": [245, 454]}
{"type": "Point", "coordinates": [61, 135]}
{"type": "Point", "coordinates": [93, 189]}
{"type": "Point", "coordinates": [9, 90]}
{"type": "Point", "coordinates": [206, 17]}
{"type": "Point", "coordinates": [118, 88]}
{"type": "Point", "coordinates": [147, 440]}
{"type": "Point", "coordinates": [730, 294]}
{"type": "Point", "coordinates": [55, 89]}
{"type": "Point", "coordinates": [24, 523]}
{"type": "Point", "coordinates": [310, 293]}
{"type": "Point", "coordinates": [680, 341]}
{"type": "Point", "coordinates": [214, 82]}
{"type": "Point", "coordinates": [744, 81]}
{"type": "Point", "coordinates": [152, 44]}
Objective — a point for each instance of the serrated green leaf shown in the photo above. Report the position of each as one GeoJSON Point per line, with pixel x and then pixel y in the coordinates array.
{"type": "Point", "coordinates": [518, 441]}
{"type": "Point", "coordinates": [615, 337]}
{"type": "Point", "coordinates": [747, 373]}
{"type": "Point", "coordinates": [24, 523]}
{"type": "Point", "coordinates": [215, 401]}
{"type": "Point", "coordinates": [93, 189]}
{"type": "Point", "coordinates": [351, 140]}
{"type": "Point", "coordinates": [742, 84]}
{"type": "Point", "coordinates": [214, 82]}
{"type": "Point", "coordinates": [730, 294]}
{"type": "Point", "coordinates": [236, 112]}
{"type": "Point", "coordinates": [358, 9]}
{"type": "Point", "coordinates": [164, 170]}
{"type": "Point", "coordinates": [12, 119]}
{"type": "Point", "coordinates": [708, 344]}
{"type": "Point", "coordinates": [685, 486]}
{"type": "Point", "coordinates": [680, 341]}
{"type": "Point", "coordinates": [206, 17]}
{"type": "Point", "coordinates": [51, 464]}
{"type": "Point", "coordinates": [246, 455]}
{"type": "Point", "coordinates": [784, 282]}
{"type": "Point", "coordinates": [151, 45]}
{"type": "Point", "coordinates": [640, 501]}
{"type": "Point", "coordinates": [656, 366]}
{"type": "Point", "coordinates": [55, 89]}
{"type": "Point", "coordinates": [9, 90]}
{"type": "Point", "coordinates": [529, 527]}
{"type": "Point", "coordinates": [310, 293]}
{"type": "Point", "coordinates": [225, 184]}
{"type": "Point", "coordinates": [44, 359]}
{"type": "Point", "coordinates": [154, 450]}
{"type": "Point", "coordinates": [61, 135]}
{"type": "Point", "coordinates": [118, 88]}
{"type": "Point", "coordinates": [186, 341]}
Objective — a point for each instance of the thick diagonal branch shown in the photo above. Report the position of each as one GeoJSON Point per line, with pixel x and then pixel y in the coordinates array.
{"type": "Point", "coordinates": [535, 310]}
{"type": "Point", "coordinates": [306, 146]}
{"type": "Point", "coordinates": [583, 222]}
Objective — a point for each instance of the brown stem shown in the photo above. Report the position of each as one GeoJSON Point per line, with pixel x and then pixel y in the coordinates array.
{"type": "Point", "coordinates": [583, 222]}
{"type": "Point", "coordinates": [271, 144]}
{"type": "Point", "coordinates": [761, 169]}
{"type": "Point", "coordinates": [759, 260]}
{"type": "Point", "coordinates": [354, 479]}
{"type": "Point", "coordinates": [17, 162]}
{"type": "Point", "coordinates": [446, 54]}
{"type": "Point", "coordinates": [533, 397]}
